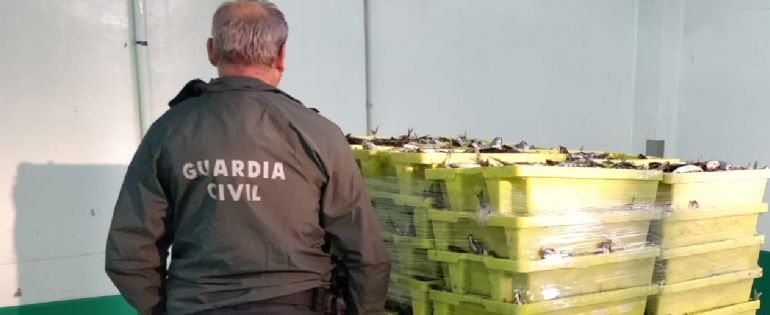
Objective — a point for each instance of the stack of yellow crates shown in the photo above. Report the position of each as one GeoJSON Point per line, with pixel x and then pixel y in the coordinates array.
{"type": "Point", "coordinates": [530, 239]}
{"type": "Point", "coordinates": [402, 197]}
{"type": "Point", "coordinates": [535, 239]}
{"type": "Point", "coordinates": [709, 247]}
{"type": "Point", "coordinates": [400, 205]}
{"type": "Point", "coordinates": [411, 236]}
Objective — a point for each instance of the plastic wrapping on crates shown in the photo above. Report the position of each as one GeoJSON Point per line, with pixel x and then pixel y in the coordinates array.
{"type": "Point", "coordinates": [680, 228]}
{"type": "Point", "coordinates": [628, 301]}
{"type": "Point", "coordinates": [704, 295]}
{"type": "Point", "coordinates": [676, 265]}
{"type": "Point", "coordinates": [532, 239]}
{"type": "Point", "coordinates": [527, 282]}
{"type": "Point", "coordinates": [713, 189]}
{"type": "Point", "coordinates": [709, 246]}
{"type": "Point", "coordinates": [702, 242]}
{"type": "Point", "coordinates": [542, 236]}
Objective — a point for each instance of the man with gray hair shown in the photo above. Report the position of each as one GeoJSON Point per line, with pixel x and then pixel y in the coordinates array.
{"type": "Point", "coordinates": [252, 189]}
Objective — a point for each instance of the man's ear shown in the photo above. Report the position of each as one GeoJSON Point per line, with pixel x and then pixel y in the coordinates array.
{"type": "Point", "coordinates": [280, 59]}
{"type": "Point", "coordinates": [210, 51]}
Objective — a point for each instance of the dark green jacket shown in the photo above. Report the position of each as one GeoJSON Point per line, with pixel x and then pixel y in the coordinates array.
{"type": "Point", "coordinates": [243, 182]}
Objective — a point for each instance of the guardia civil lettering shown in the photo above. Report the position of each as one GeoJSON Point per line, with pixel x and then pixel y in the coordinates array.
{"type": "Point", "coordinates": [223, 169]}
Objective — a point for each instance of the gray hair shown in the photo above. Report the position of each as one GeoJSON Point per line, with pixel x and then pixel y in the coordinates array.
{"type": "Point", "coordinates": [248, 38]}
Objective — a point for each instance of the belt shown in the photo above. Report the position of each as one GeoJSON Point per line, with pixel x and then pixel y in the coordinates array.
{"type": "Point", "coordinates": [315, 299]}
{"type": "Point", "coordinates": [304, 298]}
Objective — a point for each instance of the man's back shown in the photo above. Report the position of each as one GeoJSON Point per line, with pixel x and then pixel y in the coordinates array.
{"type": "Point", "coordinates": [252, 181]}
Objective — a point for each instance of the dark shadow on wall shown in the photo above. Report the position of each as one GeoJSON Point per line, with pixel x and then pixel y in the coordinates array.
{"type": "Point", "coordinates": [63, 213]}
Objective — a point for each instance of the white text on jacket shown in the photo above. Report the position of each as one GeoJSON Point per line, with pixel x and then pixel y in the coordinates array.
{"type": "Point", "coordinates": [234, 168]}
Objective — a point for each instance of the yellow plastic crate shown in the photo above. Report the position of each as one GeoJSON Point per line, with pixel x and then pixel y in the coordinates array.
{"type": "Point", "coordinates": [372, 163]}
{"type": "Point", "coordinates": [398, 292]}
{"type": "Point", "coordinates": [402, 222]}
{"type": "Point", "coordinates": [409, 258]}
{"type": "Point", "coordinates": [684, 228]}
{"type": "Point", "coordinates": [577, 233]}
{"type": "Point", "coordinates": [418, 294]}
{"type": "Point", "coordinates": [523, 237]}
{"type": "Point", "coordinates": [402, 260]}
{"type": "Point", "coordinates": [748, 308]}
{"type": "Point", "coordinates": [418, 201]}
{"type": "Point", "coordinates": [421, 223]}
{"type": "Point", "coordinates": [704, 260]}
{"type": "Point", "coordinates": [411, 167]}
{"type": "Point", "coordinates": [393, 219]}
{"type": "Point", "coordinates": [527, 189]}
{"type": "Point", "coordinates": [631, 301]}
{"type": "Point", "coordinates": [412, 222]}
{"type": "Point", "coordinates": [703, 294]}
{"type": "Point", "coordinates": [462, 187]}
{"type": "Point", "coordinates": [378, 174]}
{"type": "Point", "coordinates": [713, 189]}
{"type": "Point", "coordinates": [387, 227]}
{"type": "Point", "coordinates": [400, 214]}
{"type": "Point", "coordinates": [545, 279]}
{"type": "Point", "coordinates": [410, 170]}
{"type": "Point", "coordinates": [452, 228]}
{"type": "Point", "coordinates": [386, 184]}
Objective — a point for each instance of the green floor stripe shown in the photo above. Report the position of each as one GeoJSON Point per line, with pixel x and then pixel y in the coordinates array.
{"type": "Point", "coordinates": [107, 305]}
{"type": "Point", "coordinates": [763, 284]}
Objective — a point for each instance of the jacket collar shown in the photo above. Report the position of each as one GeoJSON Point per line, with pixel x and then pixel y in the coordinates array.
{"type": "Point", "coordinates": [240, 83]}
{"type": "Point", "coordinates": [197, 88]}
{"type": "Point", "coordinates": [244, 83]}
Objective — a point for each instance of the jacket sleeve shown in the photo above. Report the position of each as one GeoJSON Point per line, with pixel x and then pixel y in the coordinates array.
{"type": "Point", "coordinates": [138, 241]}
{"type": "Point", "coordinates": [349, 218]}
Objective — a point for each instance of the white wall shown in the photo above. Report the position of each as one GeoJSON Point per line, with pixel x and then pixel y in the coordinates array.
{"type": "Point", "coordinates": [551, 72]}
{"type": "Point", "coordinates": [325, 54]}
{"type": "Point", "coordinates": [723, 109]}
{"type": "Point", "coordinates": [69, 122]}
{"type": "Point", "coordinates": [656, 83]}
